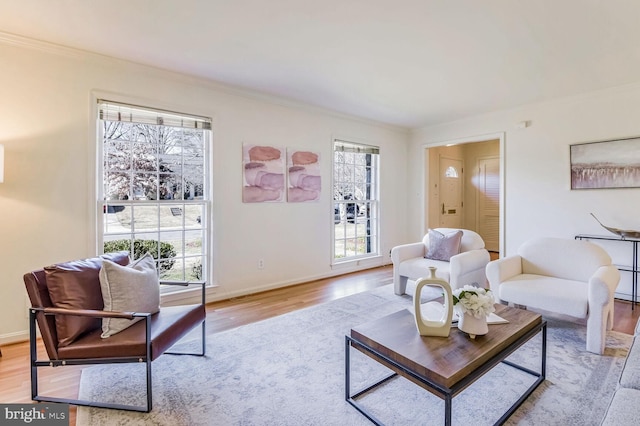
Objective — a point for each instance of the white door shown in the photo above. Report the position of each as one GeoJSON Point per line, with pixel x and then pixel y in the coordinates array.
{"type": "Point", "coordinates": [488, 204]}
{"type": "Point", "coordinates": [450, 192]}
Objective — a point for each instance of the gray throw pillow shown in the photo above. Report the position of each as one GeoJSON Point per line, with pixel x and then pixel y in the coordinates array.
{"type": "Point", "coordinates": [441, 246]}
{"type": "Point", "coordinates": [131, 288]}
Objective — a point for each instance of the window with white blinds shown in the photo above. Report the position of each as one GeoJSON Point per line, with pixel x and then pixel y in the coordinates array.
{"type": "Point", "coordinates": [356, 200]}
{"type": "Point", "coordinates": [153, 187]}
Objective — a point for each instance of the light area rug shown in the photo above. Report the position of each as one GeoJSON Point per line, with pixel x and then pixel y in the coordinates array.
{"type": "Point", "coordinates": [289, 370]}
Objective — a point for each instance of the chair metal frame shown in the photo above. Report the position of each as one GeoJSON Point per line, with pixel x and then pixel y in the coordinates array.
{"type": "Point", "coordinates": [35, 363]}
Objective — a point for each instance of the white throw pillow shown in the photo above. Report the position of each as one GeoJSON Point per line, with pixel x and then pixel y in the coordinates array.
{"type": "Point", "coordinates": [131, 288]}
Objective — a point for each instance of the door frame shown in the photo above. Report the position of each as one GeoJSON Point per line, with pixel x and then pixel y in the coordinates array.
{"type": "Point", "coordinates": [469, 139]}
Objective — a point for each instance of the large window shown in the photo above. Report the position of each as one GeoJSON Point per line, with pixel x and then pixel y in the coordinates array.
{"type": "Point", "coordinates": [355, 195]}
{"type": "Point", "coordinates": [153, 192]}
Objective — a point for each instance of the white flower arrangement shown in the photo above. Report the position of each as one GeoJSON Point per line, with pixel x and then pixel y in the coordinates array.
{"type": "Point", "coordinates": [473, 300]}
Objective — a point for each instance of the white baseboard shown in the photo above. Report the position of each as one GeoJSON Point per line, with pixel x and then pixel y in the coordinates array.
{"type": "Point", "coordinates": [15, 337]}
{"type": "Point", "coordinates": [344, 268]}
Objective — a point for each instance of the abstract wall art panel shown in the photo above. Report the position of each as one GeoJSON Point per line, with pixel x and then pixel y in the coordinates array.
{"type": "Point", "coordinates": [304, 181]}
{"type": "Point", "coordinates": [606, 164]}
{"type": "Point", "coordinates": [263, 173]}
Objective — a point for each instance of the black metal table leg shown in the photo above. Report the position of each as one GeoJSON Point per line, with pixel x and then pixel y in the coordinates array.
{"type": "Point", "coordinates": [445, 393]}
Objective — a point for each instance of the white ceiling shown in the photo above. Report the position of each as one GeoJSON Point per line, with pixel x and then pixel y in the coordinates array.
{"type": "Point", "coordinates": [403, 62]}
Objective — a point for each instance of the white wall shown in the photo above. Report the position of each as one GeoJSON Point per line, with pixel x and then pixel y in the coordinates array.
{"type": "Point", "coordinates": [538, 198]}
{"type": "Point", "coordinates": [47, 205]}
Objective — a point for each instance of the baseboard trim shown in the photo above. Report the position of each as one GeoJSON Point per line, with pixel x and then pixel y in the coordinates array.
{"type": "Point", "coordinates": [226, 295]}
{"type": "Point", "coordinates": [15, 337]}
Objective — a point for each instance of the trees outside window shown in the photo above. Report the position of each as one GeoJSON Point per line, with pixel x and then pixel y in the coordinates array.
{"type": "Point", "coordinates": [356, 205]}
{"type": "Point", "coordinates": [153, 187]}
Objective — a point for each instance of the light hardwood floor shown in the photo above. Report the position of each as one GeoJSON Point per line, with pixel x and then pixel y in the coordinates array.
{"type": "Point", "coordinates": [224, 315]}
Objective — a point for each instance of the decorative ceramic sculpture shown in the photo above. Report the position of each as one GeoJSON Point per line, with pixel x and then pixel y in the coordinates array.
{"type": "Point", "coordinates": [622, 233]}
{"type": "Point", "coordinates": [440, 325]}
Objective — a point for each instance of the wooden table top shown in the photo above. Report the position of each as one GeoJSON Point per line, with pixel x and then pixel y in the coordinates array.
{"type": "Point", "coordinates": [443, 360]}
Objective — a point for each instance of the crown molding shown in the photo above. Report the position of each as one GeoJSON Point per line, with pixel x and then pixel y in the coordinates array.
{"type": "Point", "coordinates": [43, 46]}
{"type": "Point", "coordinates": [61, 50]}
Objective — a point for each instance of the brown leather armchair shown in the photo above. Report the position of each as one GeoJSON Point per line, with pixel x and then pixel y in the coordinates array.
{"type": "Point", "coordinates": [82, 344]}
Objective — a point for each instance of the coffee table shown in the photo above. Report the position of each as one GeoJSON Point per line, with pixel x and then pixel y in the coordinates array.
{"type": "Point", "coordinates": [444, 366]}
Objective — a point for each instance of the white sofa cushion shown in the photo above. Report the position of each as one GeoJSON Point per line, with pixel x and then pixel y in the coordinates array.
{"type": "Point", "coordinates": [418, 267]}
{"type": "Point", "coordinates": [569, 297]}
{"type": "Point", "coordinates": [630, 377]}
{"type": "Point", "coordinates": [623, 409]}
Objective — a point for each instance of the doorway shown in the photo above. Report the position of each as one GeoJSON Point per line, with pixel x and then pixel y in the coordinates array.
{"type": "Point", "coordinates": [450, 194]}
{"type": "Point", "coordinates": [478, 163]}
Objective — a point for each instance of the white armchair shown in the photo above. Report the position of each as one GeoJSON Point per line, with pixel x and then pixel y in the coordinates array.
{"type": "Point", "coordinates": [465, 268]}
{"type": "Point", "coordinates": [569, 277]}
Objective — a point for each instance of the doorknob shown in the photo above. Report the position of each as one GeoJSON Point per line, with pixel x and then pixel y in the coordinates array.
{"type": "Point", "coordinates": [442, 208]}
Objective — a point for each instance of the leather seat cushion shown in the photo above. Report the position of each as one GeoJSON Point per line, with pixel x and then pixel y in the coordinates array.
{"type": "Point", "coordinates": [167, 327]}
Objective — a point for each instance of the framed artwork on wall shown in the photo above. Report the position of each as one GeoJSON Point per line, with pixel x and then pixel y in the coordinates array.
{"type": "Point", "coordinates": [263, 174]}
{"type": "Point", "coordinates": [606, 164]}
{"type": "Point", "coordinates": [303, 172]}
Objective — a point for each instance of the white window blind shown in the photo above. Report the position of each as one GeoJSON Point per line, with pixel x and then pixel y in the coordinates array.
{"type": "Point", "coordinates": [113, 111]}
{"type": "Point", "coordinates": [345, 146]}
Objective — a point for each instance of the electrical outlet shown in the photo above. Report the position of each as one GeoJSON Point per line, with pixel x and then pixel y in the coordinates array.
{"type": "Point", "coordinates": [260, 263]}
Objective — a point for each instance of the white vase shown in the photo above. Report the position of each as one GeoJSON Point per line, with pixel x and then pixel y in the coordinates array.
{"type": "Point", "coordinates": [473, 326]}
{"type": "Point", "coordinates": [440, 323]}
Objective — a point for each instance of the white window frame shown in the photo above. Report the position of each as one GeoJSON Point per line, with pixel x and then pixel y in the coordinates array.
{"type": "Point", "coordinates": [181, 229]}
{"type": "Point", "coordinates": [358, 224]}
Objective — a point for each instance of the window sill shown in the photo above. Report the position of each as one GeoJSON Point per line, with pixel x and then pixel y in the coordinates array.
{"type": "Point", "coordinates": [187, 296]}
{"type": "Point", "coordinates": [359, 263]}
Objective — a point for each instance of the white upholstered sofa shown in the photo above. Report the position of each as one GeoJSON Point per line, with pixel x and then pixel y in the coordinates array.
{"type": "Point", "coordinates": [464, 268]}
{"type": "Point", "coordinates": [569, 277]}
{"type": "Point", "coordinates": [624, 407]}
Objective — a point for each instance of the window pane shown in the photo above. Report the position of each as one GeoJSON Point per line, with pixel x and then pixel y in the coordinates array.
{"type": "Point", "coordinates": [145, 186]}
{"type": "Point", "coordinates": [144, 157]}
{"type": "Point", "coordinates": [355, 173]}
{"type": "Point", "coordinates": [194, 215]}
{"type": "Point", "coordinates": [451, 172]}
{"type": "Point", "coordinates": [114, 216]}
{"type": "Point", "coordinates": [154, 176]}
{"type": "Point", "coordinates": [168, 186]}
{"type": "Point", "coordinates": [117, 131]}
{"type": "Point", "coordinates": [117, 185]}
{"type": "Point", "coordinates": [193, 268]}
